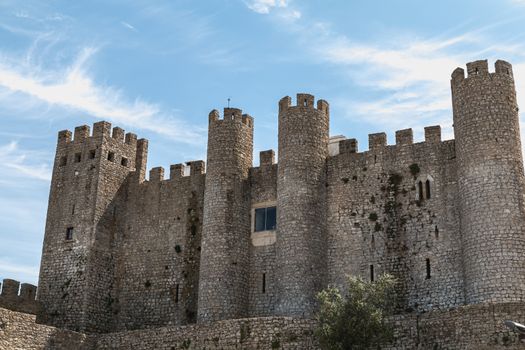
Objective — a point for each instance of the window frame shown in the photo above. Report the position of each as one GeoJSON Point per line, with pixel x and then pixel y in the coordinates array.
{"type": "Point", "coordinates": [265, 228]}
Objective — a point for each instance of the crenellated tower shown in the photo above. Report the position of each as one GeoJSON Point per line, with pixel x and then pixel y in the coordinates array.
{"type": "Point", "coordinates": [223, 286]}
{"type": "Point", "coordinates": [76, 274]}
{"type": "Point", "coordinates": [490, 182]}
{"type": "Point", "coordinates": [300, 246]}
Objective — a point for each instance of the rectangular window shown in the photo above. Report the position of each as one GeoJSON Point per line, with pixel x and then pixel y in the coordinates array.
{"type": "Point", "coordinates": [69, 233]}
{"type": "Point", "coordinates": [265, 219]}
{"type": "Point", "coordinates": [63, 161]}
{"type": "Point", "coordinates": [428, 269]}
{"type": "Point", "coordinates": [78, 157]}
{"type": "Point", "coordinates": [124, 161]}
{"type": "Point", "coordinates": [371, 273]}
{"type": "Point", "coordinates": [111, 156]}
{"type": "Point", "coordinates": [177, 293]}
{"type": "Point", "coordinates": [92, 154]}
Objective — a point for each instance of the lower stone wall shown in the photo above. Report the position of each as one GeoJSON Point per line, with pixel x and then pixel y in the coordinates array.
{"type": "Point", "coordinates": [472, 327]}
{"type": "Point", "coordinates": [249, 333]}
{"type": "Point", "coordinates": [19, 331]}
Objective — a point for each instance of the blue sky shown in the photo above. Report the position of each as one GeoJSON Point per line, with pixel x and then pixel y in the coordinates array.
{"type": "Point", "coordinates": [157, 68]}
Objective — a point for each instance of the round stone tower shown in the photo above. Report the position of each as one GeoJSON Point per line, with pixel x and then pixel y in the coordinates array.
{"type": "Point", "coordinates": [490, 182]}
{"type": "Point", "coordinates": [300, 246]}
{"type": "Point", "coordinates": [223, 286]}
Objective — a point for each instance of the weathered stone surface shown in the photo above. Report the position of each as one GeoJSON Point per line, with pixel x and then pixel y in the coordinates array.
{"type": "Point", "coordinates": [447, 218]}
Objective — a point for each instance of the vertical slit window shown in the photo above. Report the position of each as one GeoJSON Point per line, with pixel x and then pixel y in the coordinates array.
{"type": "Point", "coordinates": [427, 185]}
{"type": "Point", "coordinates": [428, 269]}
{"type": "Point", "coordinates": [371, 273]}
{"type": "Point", "coordinates": [69, 233]}
{"type": "Point", "coordinates": [264, 282]}
{"type": "Point", "coordinates": [420, 190]}
{"type": "Point", "coordinates": [177, 293]}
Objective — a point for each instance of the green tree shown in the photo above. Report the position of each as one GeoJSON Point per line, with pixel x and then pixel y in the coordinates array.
{"type": "Point", "coordinates": [356, 320]}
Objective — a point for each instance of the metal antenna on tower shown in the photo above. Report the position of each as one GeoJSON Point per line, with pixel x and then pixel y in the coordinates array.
{"type": "Point", "coordinates": [228, 102]}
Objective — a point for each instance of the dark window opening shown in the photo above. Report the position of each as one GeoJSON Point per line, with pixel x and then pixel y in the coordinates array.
{"type": "Point", "coordinates": [265, 219]}
{"type": "Point", "coordinates": [477, 71]}
{"type": "Point", "coordinates": [124, 161]}
{"type": "Point", "coordinates": [420, 190]}
{"type": "Point", "coordinates": [73, 210]}
{"type": "Point", "coordinates": [111, 156]}
{"type": "Point", "coordinates": [305, 102]}
{"type": "Point", "coordinates": [264, 283]}
{"type": "Point", "coordinates": [375, 158]}
{"type": "Point", "coordinates": [69, 233]}
{"type": "Point", "coordinates": [92, 154]}
{"type": "Point", "coordinates": [427, 185]}
{"type": "Point", "coordinates": [428, 269]}
{"type": "Point", "coordinates": [436, 231]}
{"type": "Point", "coordinates": [177, 293]}
{"type": "Point", "coordinates": [78, 157]}
{"type": "Point", "coordinates": [63, 161]}
{"type": "Point", "coordinates": [371, 273]}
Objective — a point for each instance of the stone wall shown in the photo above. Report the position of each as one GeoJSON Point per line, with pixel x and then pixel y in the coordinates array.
{"type": "Point", "coordinates": [18, 331]}
{"type": "Point", "coordinates": [379, 222]}
{"type": "Point", "coordinates": [18, 297]}
{"type": "Point", "coordinates": [158, 248]}
{"type": "Point", "coordinates": [472, 327]}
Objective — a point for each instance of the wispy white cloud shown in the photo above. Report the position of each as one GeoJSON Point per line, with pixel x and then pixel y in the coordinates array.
{"type": "Point", "coordinates": [265, 6]}
{"type": "Point", "coordinates": [25, 163]}
{"type": "Point", "coordinates": [129, 26]}
{"type": "Point", "coordinates": [280, 7]}
{"type": "Point", "coordinates": [73, 87]}
{"type": "Point", "coordinates": [407, 78]}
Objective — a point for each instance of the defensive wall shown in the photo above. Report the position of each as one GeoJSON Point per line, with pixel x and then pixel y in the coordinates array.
{"type": "Point", "coordinates": [475, 327]}
{"type": "Point", "coordinates": [18, 297]}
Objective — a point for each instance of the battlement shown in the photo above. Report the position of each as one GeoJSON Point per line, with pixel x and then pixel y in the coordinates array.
{"type": "Point", "coordinates": [267, 158]}
{"type": "Point", "coordinates": [303, 101]}
{"type": "Point", "coordinates": [230, 115]}
{"type": "Point", "coordinates": [480, 68]}
{"type": "Point", "coordinates": [188, 169]}
{"type": "Point", "coordinates": [100, 130]}
{"type": "Point", "coordinates": [18, 297]}
{"type": "Point", "coordinates": [378, 141]}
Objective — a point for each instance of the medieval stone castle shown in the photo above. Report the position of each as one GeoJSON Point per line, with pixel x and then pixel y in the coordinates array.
{"type": "Point", "coordinates": [234, 241]}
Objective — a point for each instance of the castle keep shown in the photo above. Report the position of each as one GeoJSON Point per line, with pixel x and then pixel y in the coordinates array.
{"type": "Point", "coordinates": [235, 241]}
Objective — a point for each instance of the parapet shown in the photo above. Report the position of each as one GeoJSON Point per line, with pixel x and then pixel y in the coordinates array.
{"type": "Point", "coordinates": [100, 129]}
{"type": "Point", "coordinates": [10, 288]}
{"type": "Point", "coordinates": [23, 301]}
{"type": "Point", "coordinates": [156, 174]}
{"type": "Point", "coordinates": [404, 137]}
{"type": "Point", "coordinates": [480, 68]}
{"type": "Point", "coordinates": [348, 146]}
{"type": "Point", "coordinates": [195, 167]}
{"type": "Point", "coordinates": [266, 158]}
{"type": "Point", "coordinates": [376, 141]}
{"type": "Point", "coordinates": [230, 115]}
{"type": "Point", "coordinates": [304, 101]}
{"type": "Point", "coordinates": [433, 134]}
